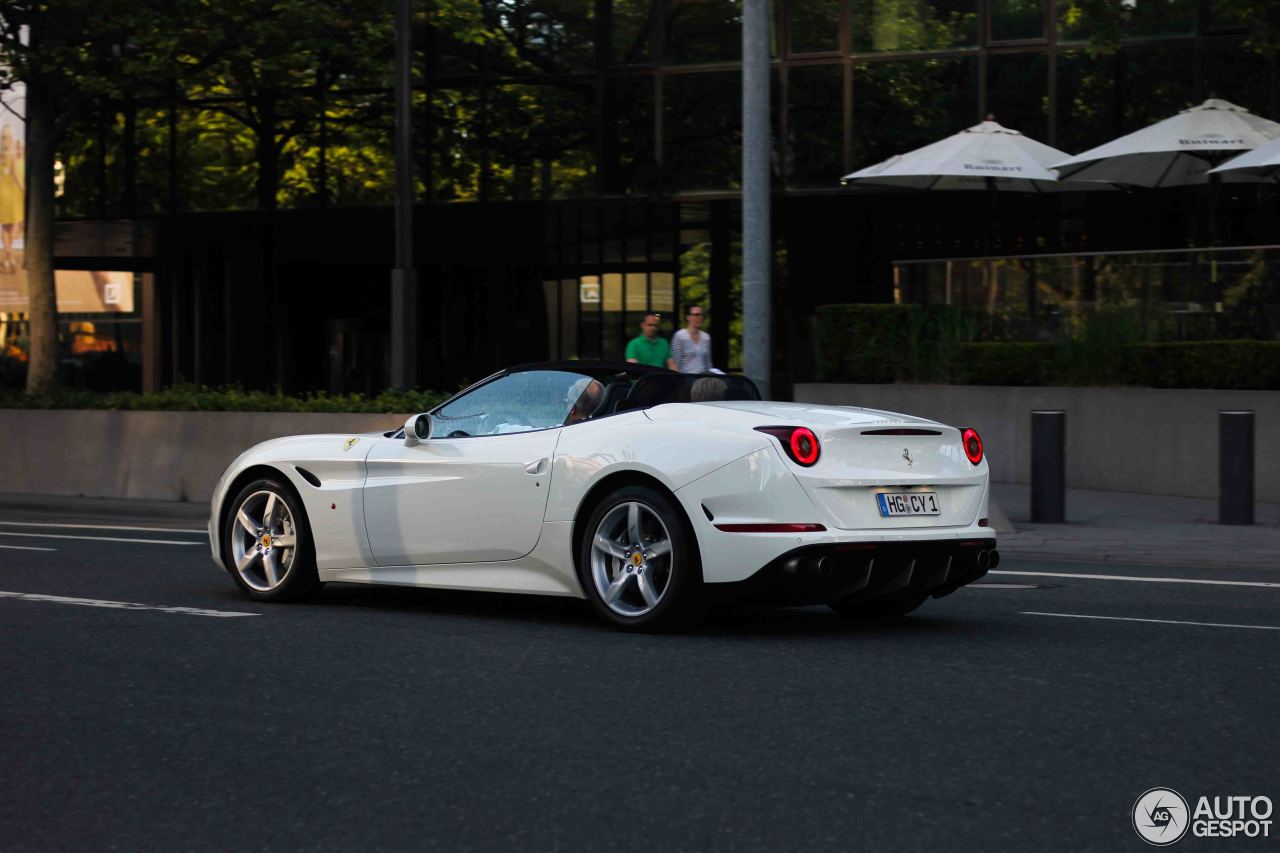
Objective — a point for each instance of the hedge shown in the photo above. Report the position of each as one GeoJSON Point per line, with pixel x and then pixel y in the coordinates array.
{"type": "Point", "coordinates": [195, 398]}
{"type": "Point", "coordinates": [858, 343]}
{"type": "Point", "coordinates": [1208, 364]}
{"type": "Point", "coordinates": [902, 343]}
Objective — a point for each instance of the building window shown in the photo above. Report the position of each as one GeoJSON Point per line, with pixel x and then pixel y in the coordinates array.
{"type": "Point", "coordinates": [702, 131]}
{"type": "Point", "coordinates": [1018, 92]}
{"type": "Point", "coordinates": [901, 105]}
{"type": "Point", "coordinates": [702, 31]}
{"type": "Point", "coordinates": [815, 26]}
{"type": "Point", "coordinates": [914, 25]}
{"type": "Point", "coordinates": [1017, 20]}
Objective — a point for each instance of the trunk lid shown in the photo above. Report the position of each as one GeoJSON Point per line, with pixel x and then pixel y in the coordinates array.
{"type": "Point", "coordinates": [866, 452]}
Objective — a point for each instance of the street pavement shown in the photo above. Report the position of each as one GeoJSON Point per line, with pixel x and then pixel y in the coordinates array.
{"type": "Point", "coordinates": [1026, 712]}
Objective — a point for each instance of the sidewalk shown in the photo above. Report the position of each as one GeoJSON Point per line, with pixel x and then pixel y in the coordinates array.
{"type": "Point", "coordinates": [1120, 527]}
{"type": "Point", "coordinates": [68, 510]}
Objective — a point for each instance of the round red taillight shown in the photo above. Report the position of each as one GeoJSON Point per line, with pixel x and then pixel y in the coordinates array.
{"type": "Point", "coordinates": [972, 445]}
{"type": "Point", "coordinates": [804, 446]}
{"type": "Point", "coordinates": [799, 443]}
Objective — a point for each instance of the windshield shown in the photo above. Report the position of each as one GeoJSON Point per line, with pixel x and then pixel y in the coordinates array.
{"type": "Point", "coordinates": [518, 402]}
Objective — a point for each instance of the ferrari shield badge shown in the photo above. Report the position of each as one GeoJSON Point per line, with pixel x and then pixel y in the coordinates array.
{"type": "Point", "coordinates": [349, 443]}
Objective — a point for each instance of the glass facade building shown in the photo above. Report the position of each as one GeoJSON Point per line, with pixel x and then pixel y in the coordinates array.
{"type": "Point", "coordinates": [577, 164]}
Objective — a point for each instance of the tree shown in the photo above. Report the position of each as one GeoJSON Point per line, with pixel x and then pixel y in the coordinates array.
{"type": "Point", "coordinates": [269, 64]}
{"type": "Point", "coordinates": [68, 54]}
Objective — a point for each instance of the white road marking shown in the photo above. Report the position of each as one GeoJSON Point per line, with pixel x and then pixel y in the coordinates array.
{"type": "Point", "coordinates": [121, 605]}
{"type": "Point", "coordinates": [1265, 584]}
{"type": "Point", "coordinates": [1003, 586]}
{"type": "Point", "coordinates": [25, 548]}
{"type": "Point", "coordinates": [100, 527]}
{"type": "Point", "coordinates": [100, 538]}
{"type": "Point", "coordinates": [1155, 621]}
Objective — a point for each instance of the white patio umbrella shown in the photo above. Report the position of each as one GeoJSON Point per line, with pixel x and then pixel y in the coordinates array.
{"type": "Point", "coordinates": [1177, 151]}
{"type": "Point", "coordinates": [1260, 164]}
{"type": "Point", "coordinates": [986, 156]}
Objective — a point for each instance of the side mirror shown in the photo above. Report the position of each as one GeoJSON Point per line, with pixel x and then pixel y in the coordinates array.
{"type": "Point", "coordinates": [417, 429]}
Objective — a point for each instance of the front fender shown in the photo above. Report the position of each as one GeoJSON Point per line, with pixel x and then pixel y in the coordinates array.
{"type": "Point", "coordinates": [335, 508]}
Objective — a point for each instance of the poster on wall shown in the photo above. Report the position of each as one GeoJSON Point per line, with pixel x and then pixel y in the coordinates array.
{"type": "Point", "coordinates": [13, 102]}
{"type": "Point", "coordinates": [79, 292]}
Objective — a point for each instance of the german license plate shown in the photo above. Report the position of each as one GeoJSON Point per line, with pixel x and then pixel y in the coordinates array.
{"type": "Point", "coordinates": [908, 503]}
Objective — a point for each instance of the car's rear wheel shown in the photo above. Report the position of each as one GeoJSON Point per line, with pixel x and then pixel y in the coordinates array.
{"type": "Point", "coordinates": [882, 609]}
{"type": "Point", "coordinates": [267, 543]}
{"type": "Point", "coordinates": [638, 562]}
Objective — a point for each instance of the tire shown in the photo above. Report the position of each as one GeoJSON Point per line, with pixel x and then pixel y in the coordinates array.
{"type": "Point", "coordinates": [253, 553]}
{"type": "Point", "coordinates": [884, 609]}
{"type": "Point", "coordinates": [658, 587]}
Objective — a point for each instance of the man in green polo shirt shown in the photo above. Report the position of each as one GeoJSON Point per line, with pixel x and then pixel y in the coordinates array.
{"type": "Point", "coordinates": [648, 348]}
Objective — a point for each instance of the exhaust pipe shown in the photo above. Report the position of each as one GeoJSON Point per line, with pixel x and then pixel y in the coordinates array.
{"type": "Point", "coordinates": [983, 560]}
{"type": "Point", "coordinates": [826, 566]}
{"type": "Point", "coordinates": [995, 558]}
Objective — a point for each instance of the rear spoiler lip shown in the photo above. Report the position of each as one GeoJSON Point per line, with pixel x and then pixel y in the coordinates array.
{"type": "Point", "coordinates": [901, 431]}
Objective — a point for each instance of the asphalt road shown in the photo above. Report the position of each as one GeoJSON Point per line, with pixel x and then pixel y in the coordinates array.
{"type": "Point", "coordinates": [413, 719]}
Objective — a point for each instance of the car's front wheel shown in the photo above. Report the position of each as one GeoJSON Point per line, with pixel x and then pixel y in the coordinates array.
{"type": "Point", "coordinates": [638, 563]}
{"type": "Point", "coordinates": [267, 543]}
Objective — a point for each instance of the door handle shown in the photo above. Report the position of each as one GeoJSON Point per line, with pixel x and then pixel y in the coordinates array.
{"type": "Point", "coordinates": [539, 467]}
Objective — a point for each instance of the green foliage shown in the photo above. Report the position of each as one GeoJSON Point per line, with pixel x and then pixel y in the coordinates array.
{"type": "Point", "coordinates": [861, 343]}
{"type": "Point", "coordinates": [1208, 364]}
{"type": "Point", "coordinates": [197, 398]}
{"type": "Point", "coordinates": [913, 343]}
{"type": "Point", "coordinates": [911, 25]}
{"type": "Point", "coordinates": [1004, 364]}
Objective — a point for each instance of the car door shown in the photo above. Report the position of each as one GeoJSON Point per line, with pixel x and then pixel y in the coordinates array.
{"type": "Point", "coordinates": [476, 490]}
{"type": "Point", "coordinates": [457, 500]}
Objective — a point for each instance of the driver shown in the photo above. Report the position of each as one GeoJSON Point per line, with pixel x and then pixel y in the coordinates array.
{"type": "Point", "coordinates": [586, 393]}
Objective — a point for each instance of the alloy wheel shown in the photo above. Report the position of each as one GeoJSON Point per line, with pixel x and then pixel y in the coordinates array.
{"type": "Point", "coordinates": [631, 559]}
{"type": "Point", "coordinates": [264, 540]}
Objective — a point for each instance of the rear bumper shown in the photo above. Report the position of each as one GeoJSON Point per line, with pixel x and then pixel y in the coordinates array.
{"type": "Point", "coordinates": [866, 571]}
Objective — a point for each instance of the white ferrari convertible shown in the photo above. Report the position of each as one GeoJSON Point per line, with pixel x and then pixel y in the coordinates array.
{"type": "Point", "coordinates": [647, 492]}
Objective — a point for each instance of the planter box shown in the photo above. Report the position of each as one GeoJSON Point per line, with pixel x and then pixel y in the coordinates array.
{"type": "Point", "coordinates": [1118, 439]}
{"type": "Point", "coordinates": [1150, 441]}
{"type": "Point", "coordinates": [175, 456]}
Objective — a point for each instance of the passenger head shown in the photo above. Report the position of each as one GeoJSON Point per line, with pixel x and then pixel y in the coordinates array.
{"type": "Point", "coordinates": [707, 389]}
{"type": "Point", "coordinates": [585, 394]}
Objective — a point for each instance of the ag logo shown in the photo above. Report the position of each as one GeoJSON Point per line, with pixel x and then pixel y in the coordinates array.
{"type": "Point", "coordinates": [1161, 817]}
{"type": "Point", "coordinates": [349, 443]}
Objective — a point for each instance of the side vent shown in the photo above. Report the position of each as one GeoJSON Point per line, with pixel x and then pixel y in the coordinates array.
{"type": "Point", "coordinates": [707, 513]}
{"type": "Point", "coordinates": [308, 476]}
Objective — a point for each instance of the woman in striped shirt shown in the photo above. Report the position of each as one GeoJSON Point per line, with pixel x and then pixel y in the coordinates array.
{"type": "Point", "coordinates": [690, 346]}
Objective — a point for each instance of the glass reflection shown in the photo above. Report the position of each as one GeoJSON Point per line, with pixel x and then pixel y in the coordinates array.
{"type": "Point", "coordinates": [703, 31]}
{"type": "Point", "coordinates": [913, 25]}
{"type": "Point", "coordinates": [815, 99]}
{"type": "Point", "coordinates": [1079, 20]}
{"type": "Point", "coordinates": [1018, 92]}
{"type": "Point", "coordinates": [1013, 20]}
{"type": "Point", "coordinates": [815, 26]}
{"type": "Point", "coordinates": [630, 26]}
{"type": "Point", "coordinates": [898, 106]}
{"type": "Point", "coordinates": [703, 131]}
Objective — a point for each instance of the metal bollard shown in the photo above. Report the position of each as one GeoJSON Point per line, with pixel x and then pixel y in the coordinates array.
{"type": "Point", "coordinates": [1235, 467]}
{"type": "Point", "coordinates": [1048, 466]}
